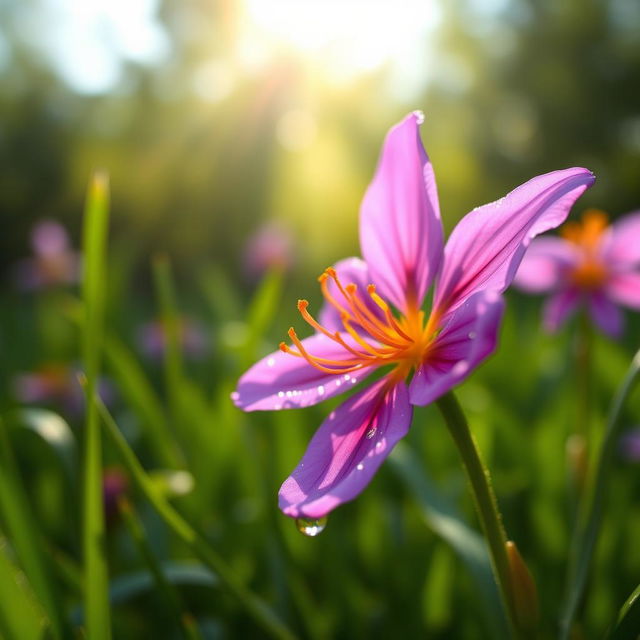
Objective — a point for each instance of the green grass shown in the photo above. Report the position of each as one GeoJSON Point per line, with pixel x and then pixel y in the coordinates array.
{"type": "Point", "coordinates": [201, 549]}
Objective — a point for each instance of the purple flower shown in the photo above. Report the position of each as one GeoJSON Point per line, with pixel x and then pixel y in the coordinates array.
{"type": "Point", "coordinates": [358, 331]}
{"type": "Point", "coordinates": [115, 485]}
{"type": "Point", "coordinates": [57, 384]}
{"type": "Point", "coordinates": [53, 262]}
{"type": "Point", "coordinates": [152, 338]}
{"type": "Point", "coordinates": [270, 247]}
{"type": "Point", "coordinates": [630, 445]}
{"type": "Point", "coordinates": [592, 264]}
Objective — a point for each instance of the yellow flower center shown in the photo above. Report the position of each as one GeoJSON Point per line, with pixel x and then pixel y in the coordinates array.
{"type": "Point", "coordinates": [376, 338]}
{"type": "Point", "coordinates": [590, 273]}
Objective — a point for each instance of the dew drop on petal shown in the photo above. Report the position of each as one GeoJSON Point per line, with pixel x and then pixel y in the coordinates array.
{"type": "Point", "coordinates": [472, 335]}
{"type": "Point", "coordinates": [360, 467]}
{"type": "Point", "coordinates": [347, 377]}
{"type": "Point", "coordinates": [280, 394]}
{"type": "Point", "coordinates": [321, 390]}
{"type": "Point", "coordinates": [338, 383]}
{"type": "Point", "coordinates": [311, 526]}
{"type": "Point", "coordinates": [419, 116]}
{"type": "Point", "coordinates": [235, 395]}
{"type": "Point", "coordinates": [271, 362]}
{"type": "Point", "coordinates": [370, 433]}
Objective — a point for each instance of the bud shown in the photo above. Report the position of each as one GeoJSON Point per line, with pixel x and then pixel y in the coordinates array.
{"type": "Point", "coordinates": [523, 588]}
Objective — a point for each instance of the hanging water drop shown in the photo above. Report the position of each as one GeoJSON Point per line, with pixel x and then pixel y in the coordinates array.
{"type": "Point", "coordinates": [311, 526]}
{"type": "Point", "coordinates": [370, 433]}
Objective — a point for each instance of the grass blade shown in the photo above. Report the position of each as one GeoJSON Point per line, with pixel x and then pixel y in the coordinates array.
{"type": "Point", "coordinates": [135, 387]}
{"type": "Point", "coordinates": [588, 526]}
{"type": "Point", "coordinates": [20, 615]}
{"type": "Point", "coordinates": [170, 596]}
{"type": "Point", "coordinates": [442, 518]}
{"type": "Point", "coordinates": [169, 318]}
{"type": "Point", "coordinates": [96, 594]}
{"type": "Point", "coordinates": [22, 527]}
{"type": "Point", "coordinates": [255, 607]}
{"type": "Point", "coordinates": [628, 623]}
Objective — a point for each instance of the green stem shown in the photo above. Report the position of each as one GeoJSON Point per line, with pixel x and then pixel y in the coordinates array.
{"type": "Point", "coordinates": [484, 497]}
{"type": "Point", "coordinates": [590, 516]}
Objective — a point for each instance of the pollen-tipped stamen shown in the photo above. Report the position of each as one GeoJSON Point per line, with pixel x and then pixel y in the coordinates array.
{"type": "Point", "coordinates": [371, 290]}
{"type": "Point", "coordinates": [336, 337]}
{"type": "Point", "coordinates": [315, 361]}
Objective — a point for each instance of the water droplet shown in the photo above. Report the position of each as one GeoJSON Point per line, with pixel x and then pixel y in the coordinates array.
{"type": "Point", "coordinates": [354, 380]}
{"type": "Point", "coordinates": [271, 362]}
{"type": "Point", "coordinates": [419, 116]}
{"type": "Point", "coordinates": [370, 433]}
{"type": "Point", "coordinates": [289, 394]}
{"type": "Point", "coordinates": [311, 526]}
{"type": "Point", "coordinates": [338, 383]}
{"type": "Point", "coordinates": [360, 467]}
{"type": "Point", "coordinates": [472, 335]}
{"type": "Point", "coordinates": [235, 396]}
{"type": "Point", "coordinates": [321, 390]}
{"type": "Point", "coordinates": [347, 377]}
{"type": "Point", "coordinates": [378, 444]}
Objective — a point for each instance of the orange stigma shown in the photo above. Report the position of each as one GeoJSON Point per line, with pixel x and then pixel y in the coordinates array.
{"type": "Point", "coordinates": [590, 273]}
{"type": "Point", "coordinates": [371, 335]}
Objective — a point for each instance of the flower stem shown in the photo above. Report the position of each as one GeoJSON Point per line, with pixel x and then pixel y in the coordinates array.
{"type": "Point", "coordinates": [485, 500]}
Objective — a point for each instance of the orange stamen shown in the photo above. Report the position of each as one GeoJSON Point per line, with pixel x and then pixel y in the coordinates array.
{"type": "Point", "coordinates": [377, 339]}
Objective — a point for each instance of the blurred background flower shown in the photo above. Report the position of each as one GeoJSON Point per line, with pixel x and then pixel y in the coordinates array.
{"type": "Point", "coordinates": [56, 384]}
{"type": "Point", "coordinates": [53, 263]}
{"type": "Point", "coordinates": [270, 247]}
{"type": "Point", "coordinates": [152, 338]}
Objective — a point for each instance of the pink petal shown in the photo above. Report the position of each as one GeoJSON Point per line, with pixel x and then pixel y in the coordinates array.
{"type": "Point", "coordinates": [558, 308]}
{"type": "Point", "coordinates": [283, 381]}
{"type": "Point", "coordinates": [400, 230]}
{"type": "Point", "coordinates": [624, 288]}
{"type": "Point", "coordinates": [347, 450]}
{"type": "Point", "coordinates": [469, 336]}
{"type": "Point", "coordinates": [623, 245]}
{"type": "Point", "coordinates": [349, 270]}
{"type": "Point", "coordinates": [606, 314]}
{"type": "Point", "coordinates": [544, 265]}
{"type": "Point", "coordinates": [485, 248]}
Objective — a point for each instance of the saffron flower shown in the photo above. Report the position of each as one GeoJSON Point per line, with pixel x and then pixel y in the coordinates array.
{"type": "Point", "coordinates": [373, 318]}
{"type": "Point", "coordinates": [592, 265]}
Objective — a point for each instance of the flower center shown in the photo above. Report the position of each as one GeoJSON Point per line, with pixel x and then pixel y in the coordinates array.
{"type": "Point", "coordinates": [590, 273]}
{"type": "Point", "coordinates": [371, 336]}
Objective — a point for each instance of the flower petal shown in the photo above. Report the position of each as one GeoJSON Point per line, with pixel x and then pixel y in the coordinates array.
{"type": "Point", "coordinates": [283, 381]}
{"type": "Point", "coordinates": [544, 264]}
{"type": "Point", "coordinates": [400, 230]}
{"type": "Point", "coordinates": [347, 450]}
{"type": "Point", "coordinates": [622, 246]}
{"type": "Point", "coordinates": [468, 337]}
{"type": "Point", "coordinates": [486, 247]}
{"type": "Point", "coordinates": [606, 314]}
{"type": "Point", "coordinates": [349, 270]}
{"type": "Point", "coordinates": [558, 308]}
{"type": "Point", "coordinates": [624, 288]}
